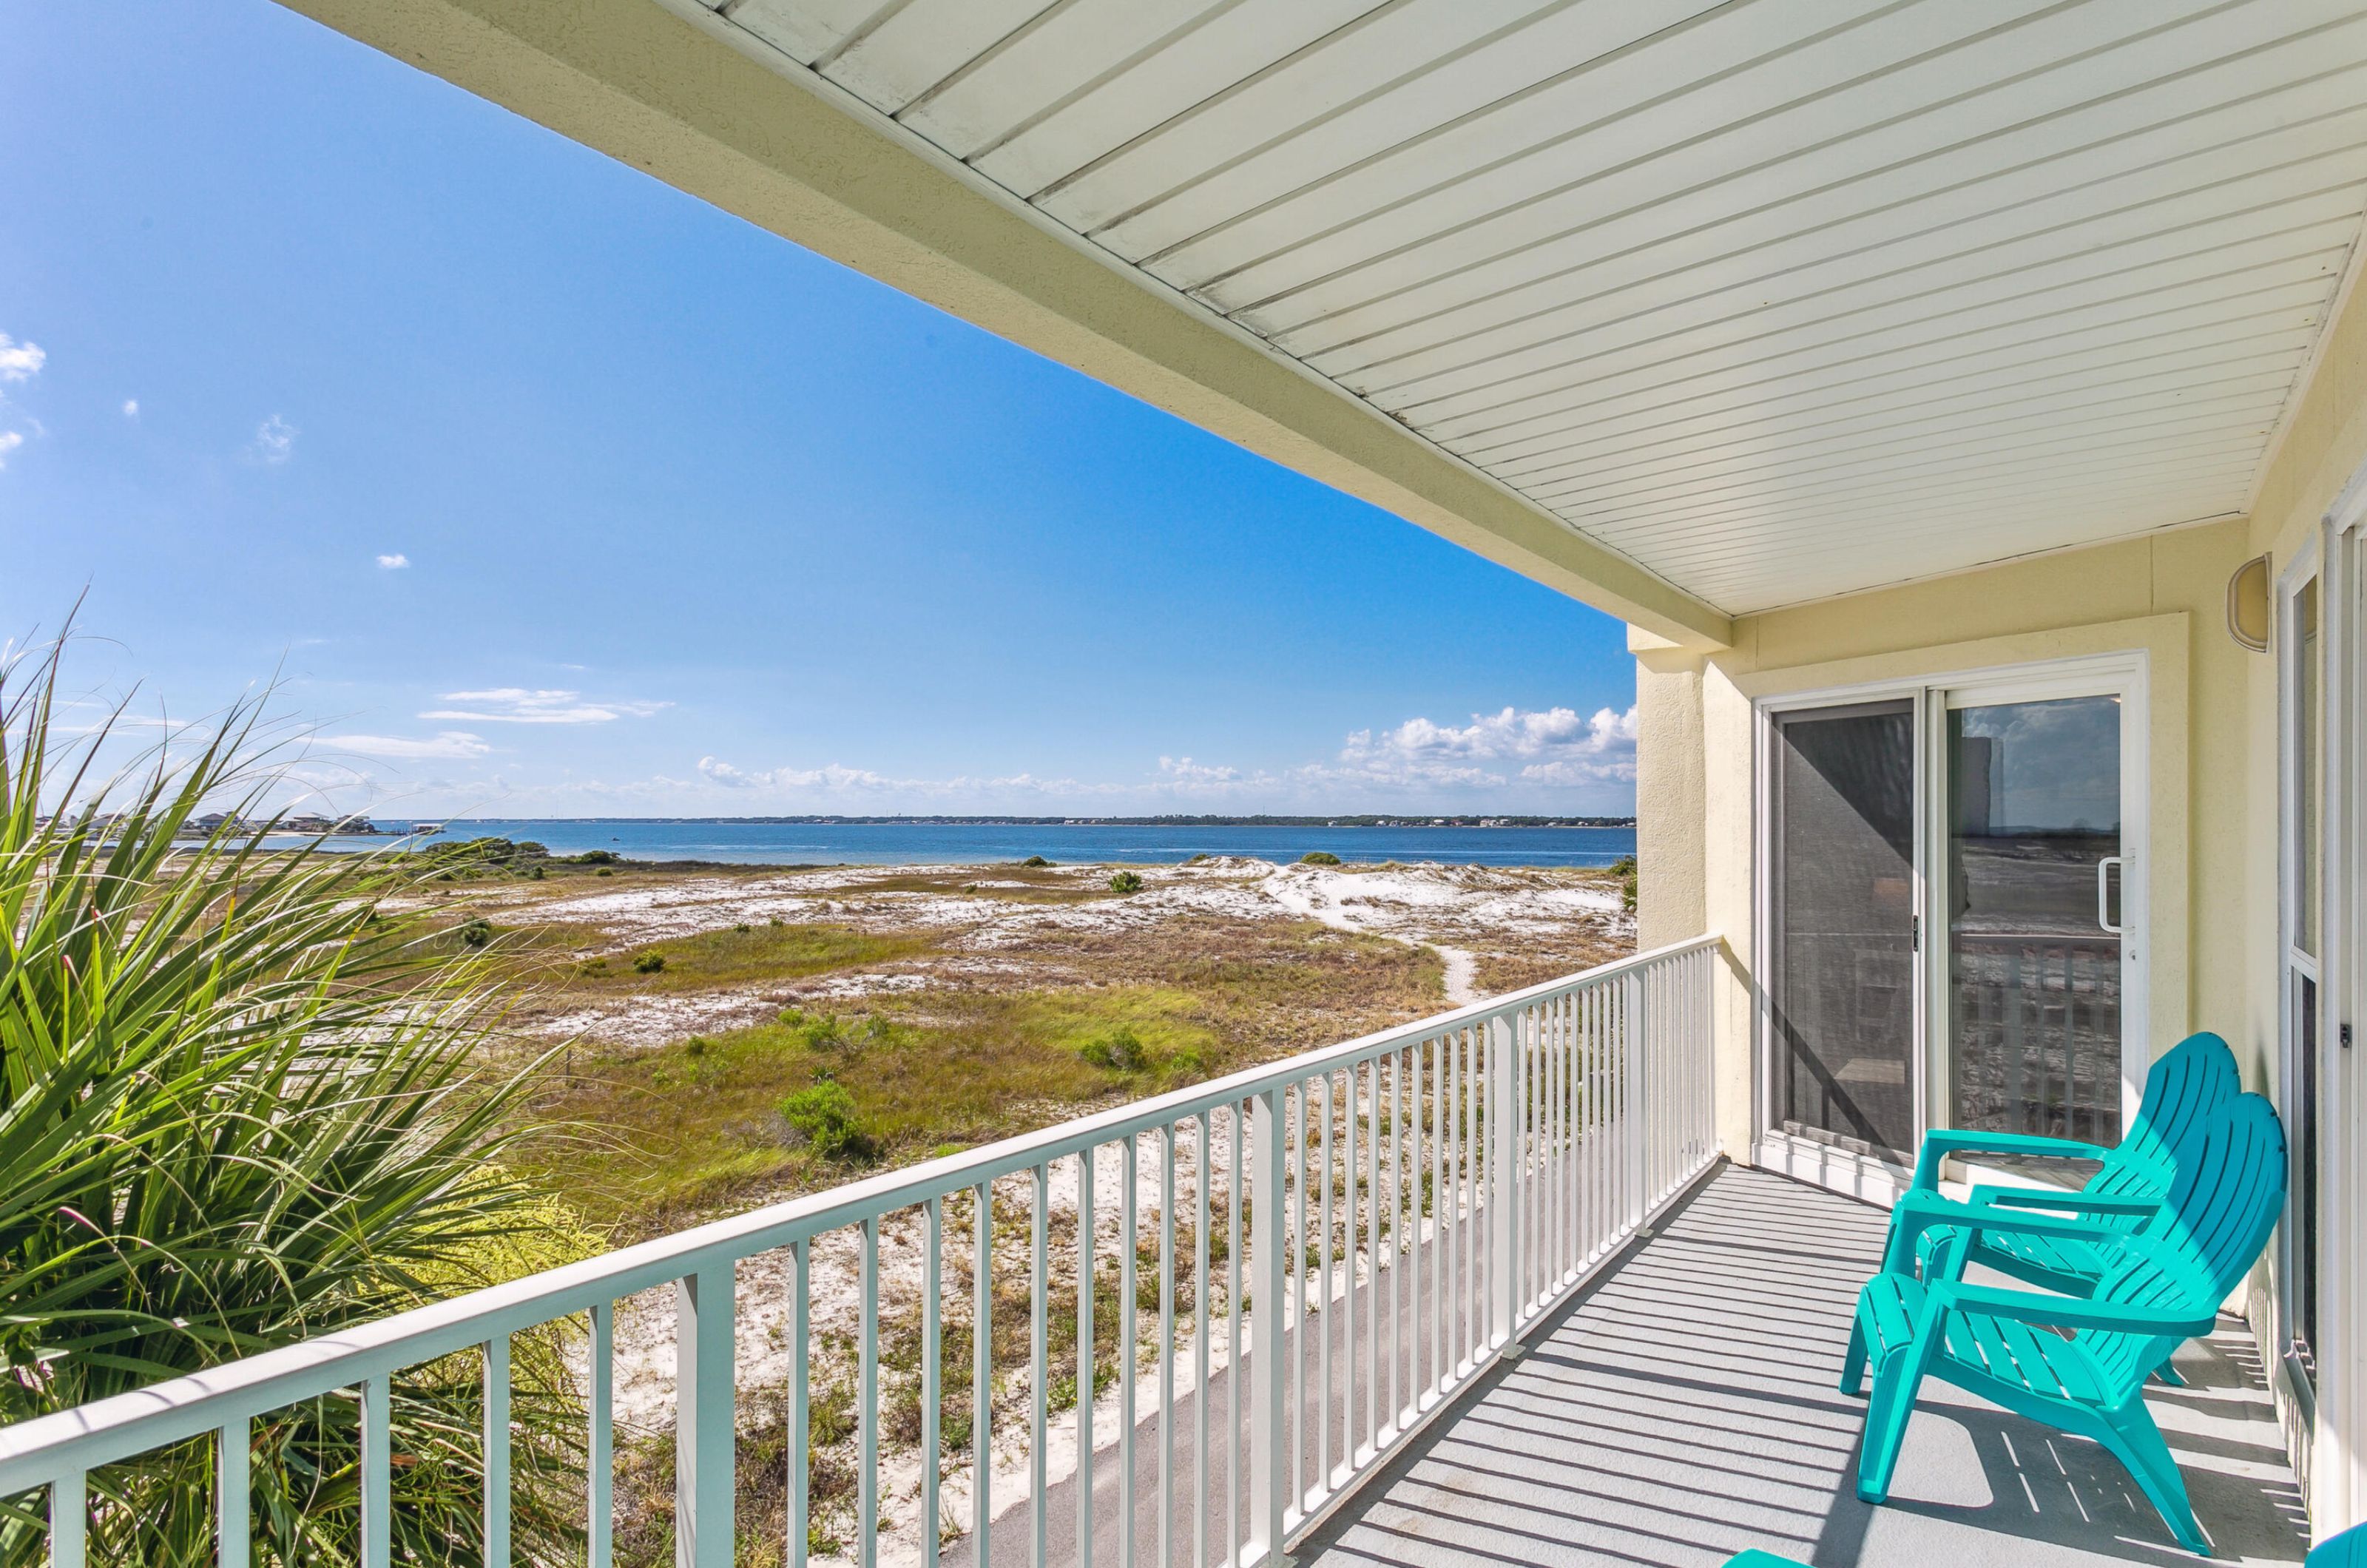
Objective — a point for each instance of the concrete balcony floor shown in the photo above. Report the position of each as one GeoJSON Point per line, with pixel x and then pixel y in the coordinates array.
{"type": "Point", "coordinates": [1683, 1407]}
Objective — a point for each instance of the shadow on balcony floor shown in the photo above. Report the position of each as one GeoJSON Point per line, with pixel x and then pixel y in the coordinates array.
{"type": "Point", "coordinates": [1684, 1408]}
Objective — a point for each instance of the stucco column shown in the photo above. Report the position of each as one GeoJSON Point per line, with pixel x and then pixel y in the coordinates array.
{"type": "Point", "coordinates": [1671, 846]}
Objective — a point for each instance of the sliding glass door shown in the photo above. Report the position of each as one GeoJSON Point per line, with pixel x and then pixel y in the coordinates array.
{"type": "Point", "coordinates": [2002, 818]}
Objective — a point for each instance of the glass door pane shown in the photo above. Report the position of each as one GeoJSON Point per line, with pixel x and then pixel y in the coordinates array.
{"type": "Point", "coordinates": [1842, 927]}
{"type": "Point", "coordinates": [2304, 674]}
{"type": "Point", "coordinates": [2033, 817]}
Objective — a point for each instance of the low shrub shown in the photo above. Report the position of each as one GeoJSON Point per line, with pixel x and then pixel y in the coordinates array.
{"type": "Point", "coordinates": [1034, 862]}
{"type": "Point", "coordinates": [474, 932]}
{"type": "Point", "coordinates": [1120, 1050]}
{"type": "Point", "coordinates": [824, 1113]}
{"type": "Point", "coordinates": [1127, 881]}
{"type": "Point", "coordinates": [650, 963]}
{"type": "Point", "coordinates": [1319, 857]}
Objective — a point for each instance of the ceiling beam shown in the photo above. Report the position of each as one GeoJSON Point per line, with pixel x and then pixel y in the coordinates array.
{"type": "Point", "coordinates": [701, 104]}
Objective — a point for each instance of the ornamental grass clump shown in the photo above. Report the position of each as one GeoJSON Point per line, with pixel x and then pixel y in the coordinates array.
{"type": "Point", "coordinates": [240, 1105]}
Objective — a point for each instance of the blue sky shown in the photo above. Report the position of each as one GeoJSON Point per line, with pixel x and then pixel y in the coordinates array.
{"type": "Point", "coordinates": [548, 490]}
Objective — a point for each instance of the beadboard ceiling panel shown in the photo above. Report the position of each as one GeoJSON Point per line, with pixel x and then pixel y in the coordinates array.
{"type": "Point", "coordinates": [1781, 299]}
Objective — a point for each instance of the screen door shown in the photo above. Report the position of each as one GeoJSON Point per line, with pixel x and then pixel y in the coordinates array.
{"type": "Point", "coordinates": [1842, 926]}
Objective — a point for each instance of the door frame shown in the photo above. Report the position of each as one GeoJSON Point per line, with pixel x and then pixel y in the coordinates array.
{"type": "Point", "coordinates": [2329, 1424]}
{"type": "Point", "coordinates": [2311, 562]}
{"type": "Point", "coordinates": [2125, 672]}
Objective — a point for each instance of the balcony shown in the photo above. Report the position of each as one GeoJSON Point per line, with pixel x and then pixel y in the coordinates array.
{"type": "Point", "coordinates": [1477, 1290]}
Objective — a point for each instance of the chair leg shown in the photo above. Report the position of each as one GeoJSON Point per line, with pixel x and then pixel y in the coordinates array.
{"type": "Point", "coordinates": [1895, 1382]}
{"type": "Point", "coordinates": [2136, 1442]}
{"type": "Point", "coordinates": [2170, 1374]}
{"type": "Point", "coordinates": [1853, 1363]}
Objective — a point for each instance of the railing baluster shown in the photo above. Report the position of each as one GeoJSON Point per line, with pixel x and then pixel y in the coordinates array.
{"type": "Point", "coordinates": [932, 1394]}
{"type": "Point", "coordinates": [801, 1457]}
{"type": "Point", "coordinates": [1444, 1225]}
{"type": "Point", "coordinates": [866, 1403]}
{"type": "Point", "coordinates": [1297, 1304]}
{"type": "Point", "coordinates": [1038, 1334]}
{"type": "Point", "coordinates": [1201, 1167]}
{"type": "Point", "coordinates": [497, 1452]}
{"type": "Point", "coordinates": [1130, 1354]}
{"type": "Point", "coordinates": [234, 1495]}
{"type": "Point", "coordinates": [1166, 1522]}
{"type": "Point", "coordinates": [703, 1437]}
{"type": "Point", "coordinates": [1236, 1349]}
{"type": "Point", "coordinates": [600, 1461]}
{"type": "Point", "coordinates": [1447, 1206]}
{"type": "Point", "coordinates": [1507, 1110]}
{"type": "Point", "coordinates": [1371, 1250]}
{"type": "Point", "coordinates": [70, 1521]}
{"type": "Point", "coordinates": [377, 1472]}
{"type": "Point", "coordinates": [981, 1376]}
{"type": "Point", "coordinates": [1397, 1243]}
{"type": "Point", "coordinates": [1268, 1323]}
{"type": "Point", "coordinates": [1324, 1315]}
{"type": "Point", "coordinates": [1548, 1157]}
{"type": "Point", "coordinates": [1469, 1199]}
{"type": "Point", "coordinates": [1084, 1483]}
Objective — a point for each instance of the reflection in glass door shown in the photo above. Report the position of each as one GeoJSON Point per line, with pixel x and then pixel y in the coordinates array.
{"type": "Point", "coordinates": [1841, 926]}
{"type": "Point", "coordinates": [2031, 894]}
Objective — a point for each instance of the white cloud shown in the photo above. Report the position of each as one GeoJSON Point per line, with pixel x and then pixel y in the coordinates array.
{"type": "Point", "coordinates": [132, 407]}
{"type": "Point", "coordinates": [19, 361]}
{"type": "Point", "coordinates": [1184, 771]}
{"type": "Point", "coordinates": [446, 743]}
{"type": "Point", "coordinates": [275, 440]}
{"type": "Point", "coordinates": [517, 704]}
{"type": "Point", "coordinates": [395, 562]}
{"type": "Point", "coordinates": [9, 441]}
{"type": "Point", "coordinates": [1546, 746]}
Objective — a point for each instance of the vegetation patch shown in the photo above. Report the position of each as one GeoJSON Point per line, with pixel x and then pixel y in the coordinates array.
{"type": "Point", "coordinates": [742, 956]}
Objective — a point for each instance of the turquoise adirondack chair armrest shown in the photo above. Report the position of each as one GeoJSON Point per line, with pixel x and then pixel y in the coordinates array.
{"type": "Point", "coordinates": [2069, 1202]}
{"type": "Point", "coordinates": [1919, 1212]}
{"type": "Point", "coordinates": [2347, 1550]}
{"type": "Point", "coordinates": [1938, 1146]}
{"type": "Point", "coordinates": [2068, 1312]}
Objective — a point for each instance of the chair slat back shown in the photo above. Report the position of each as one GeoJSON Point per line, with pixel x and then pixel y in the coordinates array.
{"type": "Point", "coordinates": [2221, 1204]}
{"type": "Point", "coordinates": [2195, 1078]}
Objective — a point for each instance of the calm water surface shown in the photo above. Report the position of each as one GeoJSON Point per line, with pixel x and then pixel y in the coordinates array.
{"type": "Point", "coordinates": [894, 843]}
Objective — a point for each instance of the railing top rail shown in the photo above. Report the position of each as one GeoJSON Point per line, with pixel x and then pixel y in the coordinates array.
{"type": "Point", "coordinates": [34, 1452]}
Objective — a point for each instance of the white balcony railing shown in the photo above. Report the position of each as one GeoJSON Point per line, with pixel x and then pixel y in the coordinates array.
{"type": "Point", "coordinates": [1413, 1201]}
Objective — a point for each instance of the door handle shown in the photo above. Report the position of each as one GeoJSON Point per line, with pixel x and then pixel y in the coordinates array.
{"type": "Point", "coordinates": [2103, 893]}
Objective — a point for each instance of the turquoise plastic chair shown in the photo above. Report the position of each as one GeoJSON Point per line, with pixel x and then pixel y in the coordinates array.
{"type": "Point", "coordinates": [2159, 1287]}
{"type": "Point", "coordinates": [2347, 1550]}
{"type": "Point", "coordinates": [2194, 1079]}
